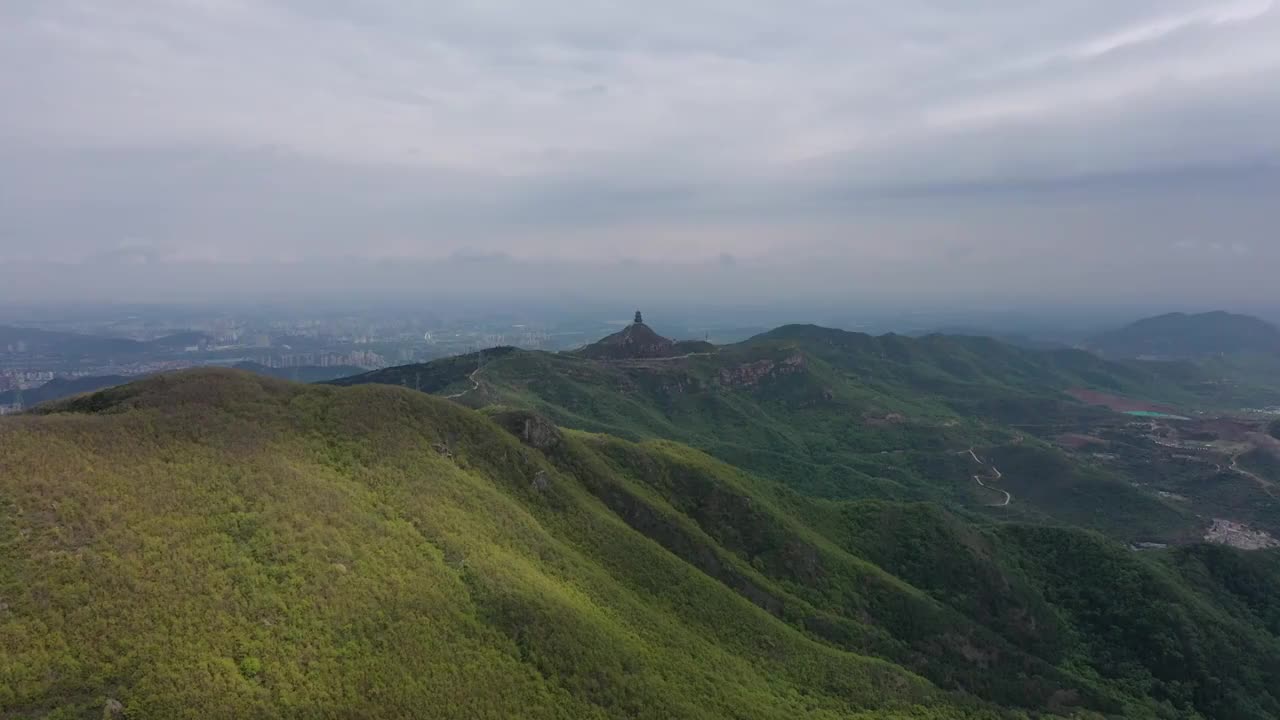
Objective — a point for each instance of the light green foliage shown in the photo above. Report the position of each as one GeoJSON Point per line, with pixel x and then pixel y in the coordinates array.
{"type": "Point", "coordinates": [218, 545]}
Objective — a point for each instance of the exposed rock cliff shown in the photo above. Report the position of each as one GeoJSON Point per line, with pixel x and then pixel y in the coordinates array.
{"type": "Point", "coordinates": [752, 374]}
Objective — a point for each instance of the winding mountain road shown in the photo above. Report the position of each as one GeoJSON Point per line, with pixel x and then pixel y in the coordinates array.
{"type": "Point", "coordinates": [997, 475]}
{"type": "Point", "coordinates": [666, 359]}
{"type": "Point", "coordinates": [1262, 483]}
{"type": "Point", "coordinates": [1007, 497]}
{"type": "Point", "coordinates": [475, 385]}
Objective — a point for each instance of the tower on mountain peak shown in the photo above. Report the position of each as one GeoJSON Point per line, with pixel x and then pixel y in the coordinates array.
{"type": "Point", "coordinates": [639, 318]}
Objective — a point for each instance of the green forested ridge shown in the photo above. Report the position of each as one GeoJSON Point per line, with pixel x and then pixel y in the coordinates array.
{"type": "Point", "coordinates": [215, 544]}
{"type": "Point", "coordinates": [846, 415]}
{"type": "Point", "coordinates": [301, 373]}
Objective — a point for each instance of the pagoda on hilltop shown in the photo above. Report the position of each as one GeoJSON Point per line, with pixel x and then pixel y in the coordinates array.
{"type": "Point", "coordinates": [638, 341]}
{"type": "Point", "coordinates": [635, 341]}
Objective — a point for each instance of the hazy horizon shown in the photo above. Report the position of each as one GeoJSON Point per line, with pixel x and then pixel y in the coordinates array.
{"type": "Point", "coordinates": [1001, 153]}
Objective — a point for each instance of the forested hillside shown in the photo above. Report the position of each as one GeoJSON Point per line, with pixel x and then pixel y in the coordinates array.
{"type": "Point", "coordinates": [216, 544]}
{"type": "Point", "coordinates": [845, 415]}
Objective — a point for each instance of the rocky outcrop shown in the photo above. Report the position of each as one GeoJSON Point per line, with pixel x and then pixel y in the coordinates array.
{"type": "Point", "coordinates": [534, 430]}
{"type": "Point", "coordinates": [752, 374]}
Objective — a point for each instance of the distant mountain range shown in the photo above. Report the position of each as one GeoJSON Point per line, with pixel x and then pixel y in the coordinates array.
{"type": "Point", "coordinates": [39, 342]}
{"type": "Point", "coordinates": [1184, 336]}
{"type": "Point", "coordinates": [58, 388]}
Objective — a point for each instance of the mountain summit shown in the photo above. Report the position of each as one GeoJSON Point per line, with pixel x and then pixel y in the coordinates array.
{"type": "Point", "coordinates": [636, 340]}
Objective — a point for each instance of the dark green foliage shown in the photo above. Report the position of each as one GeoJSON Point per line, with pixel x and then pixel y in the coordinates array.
{"type": "Point", "coordinates": [1139, 627]}
{"type": "Point", "coordinates": [797, 573]}
{"type": "Point", "coordinates": [1263, 463]}
{"type": "Point", "coordinates": [687, 347]}
{"type": "Point", "coordinates": [432, 377]}
{"type": "Point", "coordinates": [1077, 494]}
{"type": "Point", "coordinates": [1243, 582]}
{"type": "Point", "coordinates": [956, 562]}
{"type": "Point", "coordinates": [845, 415]}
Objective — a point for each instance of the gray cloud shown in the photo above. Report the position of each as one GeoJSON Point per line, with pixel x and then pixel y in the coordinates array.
{"type": "Point", "coordinates": [861, 140]}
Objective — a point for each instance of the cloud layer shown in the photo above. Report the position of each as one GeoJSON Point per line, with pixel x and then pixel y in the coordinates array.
{"type": "Point", "coordinates": [920, 134]}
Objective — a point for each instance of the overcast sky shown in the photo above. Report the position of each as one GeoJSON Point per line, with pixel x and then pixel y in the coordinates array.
{"type": "Point", "coordinates": [1092, 148]}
